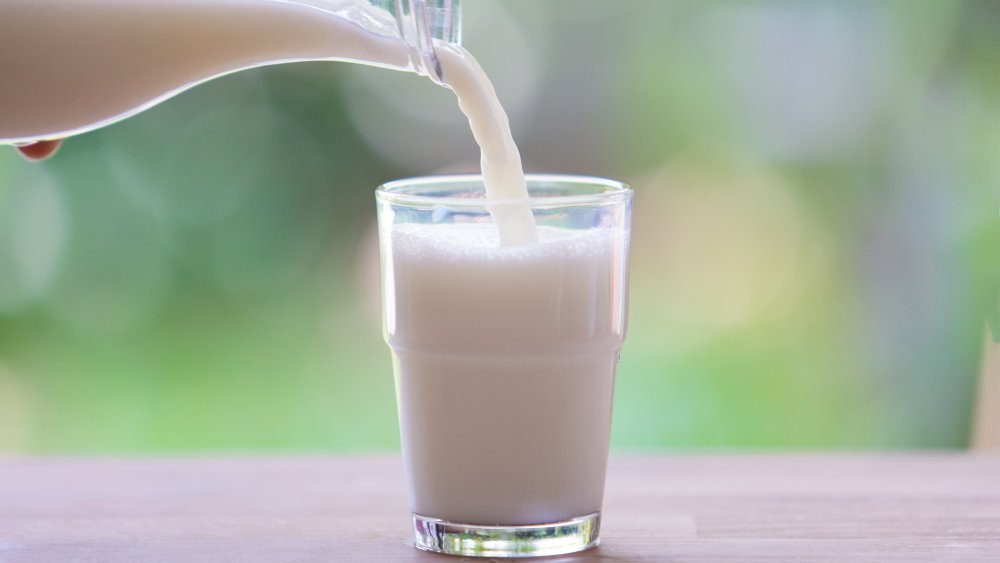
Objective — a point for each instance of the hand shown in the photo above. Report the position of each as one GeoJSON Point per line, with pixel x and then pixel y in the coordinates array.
{"type": "Point", "coordinates": [39, 150]}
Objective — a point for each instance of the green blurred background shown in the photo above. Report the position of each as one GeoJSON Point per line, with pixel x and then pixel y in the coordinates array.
{"type": "Point", "coordinates": [813, 243]}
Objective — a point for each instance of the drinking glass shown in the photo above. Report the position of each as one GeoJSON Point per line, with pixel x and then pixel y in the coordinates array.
{"type": "Point", "coordinates": [504, 359]}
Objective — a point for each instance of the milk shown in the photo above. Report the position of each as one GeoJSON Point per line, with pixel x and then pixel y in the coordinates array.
{"type": "Point", "coordinates": [505, 362]}
{"type": "Point", "coordinates": [67, 67]}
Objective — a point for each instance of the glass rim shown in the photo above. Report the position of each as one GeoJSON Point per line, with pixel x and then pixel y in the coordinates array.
{"type": "Point", "coordinates": [609, 191]}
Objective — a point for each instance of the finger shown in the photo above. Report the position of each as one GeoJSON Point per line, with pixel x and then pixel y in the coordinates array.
{"type": "Point", "coordinates": [39, 150]}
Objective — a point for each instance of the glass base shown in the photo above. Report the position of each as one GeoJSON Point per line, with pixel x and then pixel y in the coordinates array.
{"type": "Point", "coordinates": [536, 540]}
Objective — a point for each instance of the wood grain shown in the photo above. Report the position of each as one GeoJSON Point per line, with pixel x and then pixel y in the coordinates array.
{"type": "Point", "coordinates": [831, 507]}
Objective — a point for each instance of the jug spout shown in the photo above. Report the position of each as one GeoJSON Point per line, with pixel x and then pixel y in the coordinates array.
{"type": "Point", "coordinates": [421, 24]}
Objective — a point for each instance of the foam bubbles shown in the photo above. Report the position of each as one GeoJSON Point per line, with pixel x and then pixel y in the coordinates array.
{"type": "Point", "coordinates": [481, 242]}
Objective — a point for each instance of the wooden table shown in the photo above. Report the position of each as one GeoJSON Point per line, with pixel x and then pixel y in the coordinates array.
{"type": "Point", "coordinates": [872, 507]}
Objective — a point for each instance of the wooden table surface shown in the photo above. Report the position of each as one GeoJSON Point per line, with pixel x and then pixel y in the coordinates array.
{"type": "Point", "coordinates": [900, 507]}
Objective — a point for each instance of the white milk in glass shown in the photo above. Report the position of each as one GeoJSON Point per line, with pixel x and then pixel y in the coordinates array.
{"type": "Point", "coordinates": [506, 360]}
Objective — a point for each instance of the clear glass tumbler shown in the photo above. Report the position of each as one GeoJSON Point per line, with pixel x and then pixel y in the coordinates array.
{"type": "Point", "coordinates": [504, 359]}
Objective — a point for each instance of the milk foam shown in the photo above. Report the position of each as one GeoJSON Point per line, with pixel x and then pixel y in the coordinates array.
{"type": "Point", "coordinates": [480, 242]}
